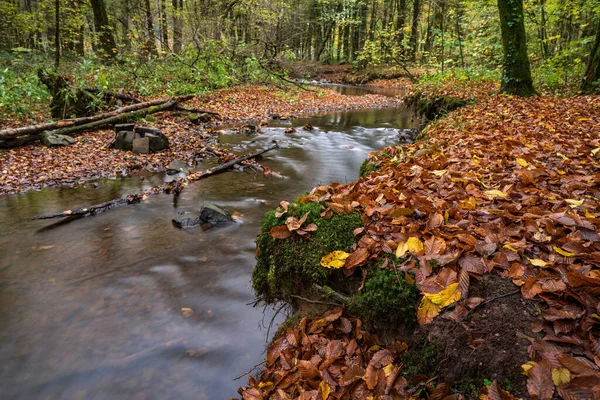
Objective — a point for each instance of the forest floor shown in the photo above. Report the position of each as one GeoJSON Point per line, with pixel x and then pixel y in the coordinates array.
{"type": "Point", "coordinates": [494, 215]}
{"type": "Point", "coordinates": [36, 166]}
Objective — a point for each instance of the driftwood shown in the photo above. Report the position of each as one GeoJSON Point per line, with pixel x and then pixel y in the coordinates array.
{"type": "Point", "coordinates": [39, 128]}
{"type": "Point", "coordinates": [174, 187]}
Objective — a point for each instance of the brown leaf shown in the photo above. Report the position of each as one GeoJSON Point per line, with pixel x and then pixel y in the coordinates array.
{"type": "Point", "coordinates": [578, 365]}
{"type": "Point", "coordinates": [358, 257]}
{"type": "Point", "coordinates": [307, 369]}
{"type": "Point", "coordinates": [539, 384]}
{"type": "Point", "coordinates": [280, 232]}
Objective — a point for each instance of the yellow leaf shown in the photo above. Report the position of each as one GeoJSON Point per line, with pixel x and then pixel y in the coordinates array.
{"type": "Point", "coordinates": [492, 194]}
{"type": "Point", "coordinates": [538, 263]}
{"type": "Point", "coordinates": [401, 249]}
{"type": "Point", "coordinates": [335, 259]}
{"type": "Point", "coordinates": [445, 297]}
{"type": "Point", "coordinates": [561, 155]}
{"type": "Point", "coordinates": [414, 245]}
{"type": "Point", "coordinates": [388, 369]}
{"type": "Point", "coordinates": [439, 172]}
{"type": "Point", "coordinates": [527, 367]}
{"type": "Point", "coordinates": [595, 151]}
{"type": "Point", "coordinates": [561, 172]}
{"type": "Point", "coordinates": [589, 215]}
{"type": "Point", "coordinates": [509, 247]}
{"type": "Point", "coordinates": [324, 389]}
{"type": "Point", "coordinates": [574, 203]}
{"type": "Point", "coordinates": [561, 376]}
{"type": "Point", "coordinates": [187, 312]}
{"type": "Point", "coordinates": [264, 384]}
{"type": "Point", "coordinates": [562, 252]}
{"type": "Point", "coordinates": [522, 162]}
{"type": "Point", "coordinates": [427, 311]}
{"type": "Point", "coordinates": [468, 204]}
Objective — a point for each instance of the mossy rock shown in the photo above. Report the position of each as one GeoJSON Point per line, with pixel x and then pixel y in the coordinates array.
{"type": "Point", "coordinates": [292, 266]}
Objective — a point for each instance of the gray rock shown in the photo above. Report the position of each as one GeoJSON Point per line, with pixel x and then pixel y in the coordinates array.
{"type": "Point", "coordinates": [141, 145]}
{"type": "Point", "coordinates": [214, 215]}
{"type": "Point", "coordinates": [177, 166]}
{"type": "Point", "coordinates": [144, 130]}
{"type": "Point", "coordinates": [158, 141]}
{"type": "Point", "coordinates": [124, 140]}
{"type": "Point", "coordinates": [186, 223]}
{"type": "Point", "coordinates": [53, 139]}
{"type": "Point", "coordinates": [124, 127]}
{"type": "Point", "coordinates": [200, 118]}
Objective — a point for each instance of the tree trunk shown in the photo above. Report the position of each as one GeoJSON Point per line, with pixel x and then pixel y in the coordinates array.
{"type": "Point", "coordinates": [57, 35]}
{"type": "Point", "coordinates": [106, 38]}
{"type": "Point", "coordinates": [591, 78]}
{"type": "Point", "coordinates": [151, 39]}
{"type": "Point", "coordinates": [177, 25]}
{"type": "Point", "coordinates": [164, 27]}
{"type": "Point", "coordinates": [414, 29]}
{"type": "Point", "coordinates": [400, 22]}
{"type": "Point", "coordinates": [516, 73]}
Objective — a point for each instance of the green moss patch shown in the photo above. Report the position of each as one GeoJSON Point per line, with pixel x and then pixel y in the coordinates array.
{"type": "Point", "coordinates": [292, 266]}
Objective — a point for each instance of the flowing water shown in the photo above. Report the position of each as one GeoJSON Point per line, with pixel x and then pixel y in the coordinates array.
{"type": "Point", "coordinates": [125, 306]}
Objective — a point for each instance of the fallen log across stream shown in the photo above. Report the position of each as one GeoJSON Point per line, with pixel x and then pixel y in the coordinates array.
{"type": "Point", "coordinates": [175, 187]}
{"type": "Point", "coordinates": [20, 136]}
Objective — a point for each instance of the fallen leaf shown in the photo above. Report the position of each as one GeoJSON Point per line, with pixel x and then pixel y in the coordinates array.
{"type": "Point", "coordinates": [335, 259]}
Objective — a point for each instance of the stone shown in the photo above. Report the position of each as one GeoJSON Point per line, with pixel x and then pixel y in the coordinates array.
{"type": "Point", "coordinates": [158, 141]}
{"type": "Point", "coordinates": [214, 215]}
{"type": "Point", "coordinates": [177, 166]}
{"type": "Point", "coordinates": [141, 145]}
{"type": "Point", "coordinates": [124, 140]}
{"type": "Point", "coordinates": [124, 127]}
{"type": "Point", "coordinates": [185, 223]}
{"type": "Point", "coordinates": [53, 139]}
{"type": "Point", "coordinates": [200, 118]}
{"type": "Point", "coordinates": [144, 130]}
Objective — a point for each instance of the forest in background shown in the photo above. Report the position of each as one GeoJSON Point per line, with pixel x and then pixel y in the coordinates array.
{"type": "Point", "coordinates": [178, 47]}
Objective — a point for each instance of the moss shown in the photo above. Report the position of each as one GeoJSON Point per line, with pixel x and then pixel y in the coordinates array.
{"type": "Point", "coordinates": [422, 360]}
{"type": "Point", "coordinates": [386, 298]}
{"type": "Point", "coordinates": [292, 266]}
{"type": "Point", "coordinates": [367, 167]}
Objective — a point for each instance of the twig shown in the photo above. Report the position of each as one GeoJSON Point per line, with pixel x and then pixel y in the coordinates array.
{"type": "Point", "coordinates": [250, 370]}
{"type": "Point", "coordinates": [315, 301]}
{"type": "Point", "coordinates": [489, 301]}
{"type": "Point", "coordinates": [273, 320]}
{"type": "Point", "coordinates": [333, 293]}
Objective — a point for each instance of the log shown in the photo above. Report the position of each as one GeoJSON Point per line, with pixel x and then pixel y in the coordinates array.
{"type": "Point", "coordinates": [172, 187]}
{"type": "Point", "coordinates": [39, 128]}
{"type": "Point", "coordinates": [110, 96]}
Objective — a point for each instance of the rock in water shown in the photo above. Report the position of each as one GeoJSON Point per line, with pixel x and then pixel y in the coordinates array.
{"type": "Point", "coordinates": [54, 139]}
{"type": "Point", "coordinates": [177, 166]}
{"type": "Point", "coordinates": [214, 215]}
{"type": "Point", "coordinates": [185, 223]}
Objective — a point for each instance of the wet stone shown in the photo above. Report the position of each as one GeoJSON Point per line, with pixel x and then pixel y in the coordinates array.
{"type": "Point", "coordinates": [54, 139]}
{"type": "Point", "coordinates": [214, 215]}
{"type": "Point", "coordinates": [141, 145]}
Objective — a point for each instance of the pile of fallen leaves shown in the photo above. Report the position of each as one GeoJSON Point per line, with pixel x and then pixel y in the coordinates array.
{"type": "Point", "coordinates": [331, 356]}
{"type": "Point", "coordinates": [508, 186]}
{"type": "Point", "coordinates": [454, 87]}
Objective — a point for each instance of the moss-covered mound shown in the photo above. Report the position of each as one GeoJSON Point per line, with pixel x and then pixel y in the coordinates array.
{"type": "Point", "coordinates": [290, 266]}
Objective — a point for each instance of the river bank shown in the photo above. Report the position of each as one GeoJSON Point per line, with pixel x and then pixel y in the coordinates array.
{"type": "Point", "coordinates": [35, 166]}
{"type": "Point", "coordinates": [493, 218]}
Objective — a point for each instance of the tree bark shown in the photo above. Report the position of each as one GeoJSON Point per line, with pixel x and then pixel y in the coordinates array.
{"type": "Point", "coordinates": [151, 39]}
{"type": "Point", "coordinates": [516, 72]}
{"type": "Point", "coordinates": [177, 25]}
{"type": "Point", "coordinates": [57, 35]}
{"type": "Point", "coordinates": [164, 28]}
{"type": "Point", "coordinates": [591, 78]}
{"type": "Point", "coordinates": [106, 38]}
{"type": "Point", "coordinates": [414, 29]}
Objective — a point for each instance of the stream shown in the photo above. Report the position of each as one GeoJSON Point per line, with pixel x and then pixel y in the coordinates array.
{"type": "Point", "coordinates": [125, 306]}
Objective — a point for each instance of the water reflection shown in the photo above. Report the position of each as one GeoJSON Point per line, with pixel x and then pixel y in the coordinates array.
{"type": "Point", "coordinates": [123, 305]}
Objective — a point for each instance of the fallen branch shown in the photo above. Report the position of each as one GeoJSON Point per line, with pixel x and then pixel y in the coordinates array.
{"type": "Point", "coordinates": [250, 370]}
{"type": "Point", "coordinates": [39, 128]}
{"type": "Point", "coordinates": [490, 300]}
{"type": "Point", "coordinates": [174, 187]}
{"type": "Point", "coordinates": [332, 293]}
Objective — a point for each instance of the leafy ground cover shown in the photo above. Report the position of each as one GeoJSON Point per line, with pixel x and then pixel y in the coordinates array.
{"type": "Point", "coordinates": [35, 166]}
{"type": "Point", "coordinates": [495, 217]}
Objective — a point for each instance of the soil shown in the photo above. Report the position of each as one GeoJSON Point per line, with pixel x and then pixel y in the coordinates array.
{"type": "Point", "coordinates": [487, 344]}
